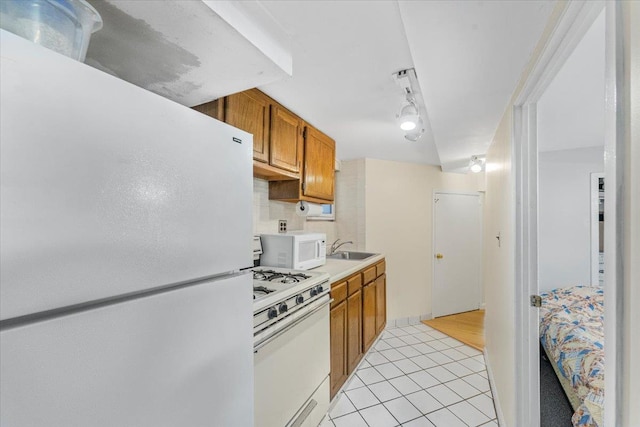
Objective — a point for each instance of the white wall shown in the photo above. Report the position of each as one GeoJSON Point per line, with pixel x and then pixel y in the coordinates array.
{"type": "Point", "coordinates": [564, 216]}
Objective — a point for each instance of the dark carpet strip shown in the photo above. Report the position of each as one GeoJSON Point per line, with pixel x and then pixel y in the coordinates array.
{"type": "Point", "coordinates": [555, 409]}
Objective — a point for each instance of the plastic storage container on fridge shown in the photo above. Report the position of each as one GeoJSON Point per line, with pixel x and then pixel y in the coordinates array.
{"type": "Point", "coordinates": [61, 25]}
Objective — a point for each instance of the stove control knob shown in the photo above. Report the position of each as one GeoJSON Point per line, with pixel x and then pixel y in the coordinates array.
{"type": "Point", "coordinates": [272, 313]}
{"type": "Point", "coordinates": [299, 299]}
{"type": "Point", "coordinates": [320, 289]}
{"type": "Point", "coordinates": [314, 292]}
{"type": "Point", "coordinates": [283, 307]}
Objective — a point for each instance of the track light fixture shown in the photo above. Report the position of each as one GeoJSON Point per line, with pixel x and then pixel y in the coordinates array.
{"type": "Point", "coordinates": [476, 164]}
{"type": "Point", "coordinates": [409, 119]}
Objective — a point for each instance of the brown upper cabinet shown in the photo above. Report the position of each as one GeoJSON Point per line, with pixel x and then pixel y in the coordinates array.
{"type": "Point", "coordinates": [319, 164]}
{"type": "Point", "coordinates": [317, 183]}
{"type": "Point", "coordinates": [249, 111]}
{"type": "Point", "coordinates": [295, 157]}
{"type": "Point", "coordinates": [286, 139]}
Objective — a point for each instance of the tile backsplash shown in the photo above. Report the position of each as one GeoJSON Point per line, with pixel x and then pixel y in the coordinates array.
{"type": "Point", "coordinates": [349, 223]}
{"type": "Point", "coordinates": [267, 213]}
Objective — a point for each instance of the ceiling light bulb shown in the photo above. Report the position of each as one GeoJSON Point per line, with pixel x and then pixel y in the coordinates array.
{"type": "Point", "coordinates": [408, 125]}
{"type": "Point", "coordinates": [408, 117]}
{"type": "Point", "coordinates": [475, 164]}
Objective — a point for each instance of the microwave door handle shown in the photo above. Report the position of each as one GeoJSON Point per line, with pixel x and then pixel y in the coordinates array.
{"type": "Point", "coordinates": [318, 247]}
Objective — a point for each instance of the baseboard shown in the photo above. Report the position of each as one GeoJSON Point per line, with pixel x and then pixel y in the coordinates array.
{"type": "Point", "coordinates": [406, 321]}
{"type": "Point", "coordinates": [494, 391]}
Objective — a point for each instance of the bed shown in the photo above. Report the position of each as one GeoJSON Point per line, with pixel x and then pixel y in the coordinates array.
{"type": "Point", "coordinates": [572, 335]}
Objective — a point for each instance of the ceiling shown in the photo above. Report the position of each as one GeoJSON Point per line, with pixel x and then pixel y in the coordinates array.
{"type": "Point", "coordinates": [331, 62]}
{"type": "Point", "coordinates": [468, 56]}
{"type": "Point", "coordinates": [571, 110]}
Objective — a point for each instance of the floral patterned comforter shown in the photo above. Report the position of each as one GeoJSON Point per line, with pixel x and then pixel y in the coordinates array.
{"type": "Point", "coordinates": [572, 332]}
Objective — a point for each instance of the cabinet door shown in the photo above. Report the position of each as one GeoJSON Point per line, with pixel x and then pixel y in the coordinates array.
{"type": "Point", "coordinates": [249, 111]}
{"type": "Point", "coordinates": [319, 164]}
{"type": "Point", "coordinates": [213, 109]}
{"type": "Point", "coordinates": [338, 333]}
{"type": "Point", "coordinates": [368, 315]}
{"type": "Point", "coordinates": [286, 139]}
{"type": "Point", "coordinates": [381, 303]}
{"type": "Point", "coordinates": [354, 330]}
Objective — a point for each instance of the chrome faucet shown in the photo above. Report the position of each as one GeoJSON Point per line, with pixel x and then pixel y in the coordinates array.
{"type": "Point", "coordinates": [335, 246]}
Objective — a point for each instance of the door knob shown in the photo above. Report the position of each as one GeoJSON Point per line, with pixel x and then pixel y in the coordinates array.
{"type": "Point", "coordinates": [439, 256]}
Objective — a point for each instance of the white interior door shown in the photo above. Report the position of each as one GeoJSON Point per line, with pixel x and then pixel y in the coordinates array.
{"type": "Point", "coordinates": [457, 246]}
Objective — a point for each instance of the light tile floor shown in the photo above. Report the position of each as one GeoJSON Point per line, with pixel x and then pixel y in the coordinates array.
{"type": "Point", "coordinates": [416, 376]}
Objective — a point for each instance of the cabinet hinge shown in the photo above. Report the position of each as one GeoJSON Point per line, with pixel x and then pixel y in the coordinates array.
{"type": "Point", "coordinates": [304, 186]}
{"type": "Point", "coordinates": [535, 300]}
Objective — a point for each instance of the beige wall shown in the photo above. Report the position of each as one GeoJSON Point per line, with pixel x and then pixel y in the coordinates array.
{"type": "Point", "coordinates": [499, 270]}
{"type": "Point", "coordinates": [350, 206]}
{"type": "Point", "coordinates": [398, 200]}
{"type": "Point", "coordinates": [381, 206]}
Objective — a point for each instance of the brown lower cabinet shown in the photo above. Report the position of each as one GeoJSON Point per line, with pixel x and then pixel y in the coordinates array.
{"type": "Point", "coordinates": [369, 330]}
{"type": "Point", "coordinates": [354, 330]}
{"type": "Point", "coordinates": [338, 331]}
{"type": "Point", "coordinates": [358, 315]}
{"type": "Point", "coordinates": [381, 303]}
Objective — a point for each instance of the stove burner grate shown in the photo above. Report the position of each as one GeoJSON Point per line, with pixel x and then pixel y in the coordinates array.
{"type": "Point", "coordinates": [262, 290]}
{"type": "Point", "coordinates": [274, 276]}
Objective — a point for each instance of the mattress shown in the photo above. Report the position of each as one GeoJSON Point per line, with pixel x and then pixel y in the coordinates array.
{"type": "Point", "coordinates": [572, 334]}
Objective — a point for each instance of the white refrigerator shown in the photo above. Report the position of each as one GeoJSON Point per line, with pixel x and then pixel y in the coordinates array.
{"type": "Point", "coordinates": [125, 221]}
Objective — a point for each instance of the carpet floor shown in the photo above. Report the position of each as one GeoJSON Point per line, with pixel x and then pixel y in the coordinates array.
{"type": "Point", "coordinates": [555, 409]}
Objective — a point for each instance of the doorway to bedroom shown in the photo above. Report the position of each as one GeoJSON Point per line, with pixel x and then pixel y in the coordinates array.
{"type": "Point", "coordinates": [570, 145]}
{"type": "Point", "coordinates": [559, 135]}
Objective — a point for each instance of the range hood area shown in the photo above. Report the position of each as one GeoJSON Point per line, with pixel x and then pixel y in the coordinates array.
{"type": "Point", "coordinates": [190, 51]}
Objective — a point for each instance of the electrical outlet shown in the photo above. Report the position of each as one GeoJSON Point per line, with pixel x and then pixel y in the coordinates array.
{"type": "Point", "coordinates": [282, 226]}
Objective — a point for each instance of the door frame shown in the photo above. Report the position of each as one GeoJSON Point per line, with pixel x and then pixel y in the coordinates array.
{"type": "Point", "coordinates": [576, 19]}
{"type": "Point", "coordinates": [595, 227]}
{"type": "Point", "coordinates": [479, 194]}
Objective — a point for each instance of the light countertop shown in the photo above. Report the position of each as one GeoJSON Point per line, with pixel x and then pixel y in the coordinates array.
{"type": "Point", "coordinates": [340, 268]}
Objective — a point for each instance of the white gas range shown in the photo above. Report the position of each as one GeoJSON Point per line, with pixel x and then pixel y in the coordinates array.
{"type": "Point", "coordinates": [282, 296]}
{"type": "Point", "coordinates": [291, 346]}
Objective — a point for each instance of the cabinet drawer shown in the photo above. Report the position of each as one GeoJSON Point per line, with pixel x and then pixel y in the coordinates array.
{"type": "Point", "coordinates": [381, 267]}
{"type": "Point", "coordinates": [354, 284]}
{"type": "Point", "coordinates": [369, 275]}
{"type": "Point", "coordinates": [338, 293]}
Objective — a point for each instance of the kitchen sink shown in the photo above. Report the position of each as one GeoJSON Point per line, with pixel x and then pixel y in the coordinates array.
{"type": "Point", "coordinates": [352, 255]}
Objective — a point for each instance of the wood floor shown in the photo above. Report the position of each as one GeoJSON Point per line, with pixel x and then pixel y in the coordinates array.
{"type": "Point", "coordinates": [466, 327]}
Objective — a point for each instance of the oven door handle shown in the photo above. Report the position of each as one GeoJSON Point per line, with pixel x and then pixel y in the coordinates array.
{"type": "Point", "coordinates": [291, 325]}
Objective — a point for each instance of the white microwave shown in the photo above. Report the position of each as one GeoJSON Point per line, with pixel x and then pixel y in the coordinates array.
{"type": "Point", "coordinates": [298, 250]}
